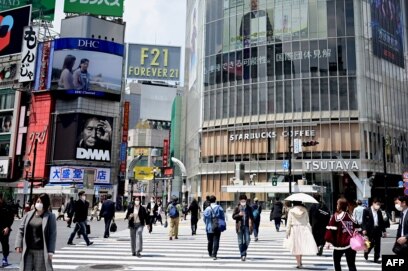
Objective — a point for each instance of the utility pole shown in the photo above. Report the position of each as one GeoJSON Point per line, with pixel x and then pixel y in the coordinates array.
{"type": "Point", "coordinates": [385, 173]}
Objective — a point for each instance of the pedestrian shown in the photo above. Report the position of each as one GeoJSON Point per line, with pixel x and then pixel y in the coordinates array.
{"type": "Point", "coordinates": [152, 210]}
{"type": "Point", "coordinates": [337, 234]}
{"type": "Point", "coordinates": [159, 212]}
{"type": "Point", "coordinates": [94, 212]}
{"type": "Point", "coordinates": [125, 205]}
{"type": "Point", "coordinates": [37, 236]}
{"type": "Point", "coordinates": [319, 217]}
{"type": "Point", "coordinates": [401, 242]}
{"type": "Point", "coordinates": [299, 237]}
{"type": "Point", "coordinates": [358, 212]}
{"type": "Point", "coordinates": [138, 217]}
{"type": "Point", "coordinates": [185, 210]}
{"type": "Point", "coordinates": [7, 219]}
{"type": "Point", "coordinates": [69, 209]}
{"type": "Point", "coordinates": [206, 202]}
{"type": "Point", "coordinates": [213, 237]}
{"type": "Point", "coordinates": [285, 211]}
{"type": "Point", "coordinates": [174, 210]}
{"type": "Point", "coordinates": [99, 209]}
{"type": "Point", "coordinates": [276, 213]}
{"type": "Point", "coordinates": [374, 228]}
{"type": "Point", "coordinates": [16, 209]}
{"type": "Point", "coordinates": [61, 212]}
{"type": "Point", "coordinates": [80, 216]}
{"type": "Point", "coordinates": [244, 225]}
{"type": "Point", "coordinates": [256, 212]}
{"type": "Point", "coordinates": [195, 211]}
{"type": "Point", "coordinates": [108, 213]}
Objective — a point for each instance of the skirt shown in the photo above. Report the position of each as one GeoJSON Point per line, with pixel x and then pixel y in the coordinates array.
{"type": "Point", "coordinates": [301, 241]}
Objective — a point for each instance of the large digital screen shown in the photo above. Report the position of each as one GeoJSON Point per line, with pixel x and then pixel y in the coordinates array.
{"type": "Point", "coordinates": [83, 137]}
{"type": "Point", "coordinates": [83, 66]}
{"type": "Point", "coordinates": [106, 7]}
{"type": "Point", "coordinates": [41, 9]}
{"type": "Point", "coordinates": [12, 23]}
{"type": "Point", "coordinates": [387, 27]}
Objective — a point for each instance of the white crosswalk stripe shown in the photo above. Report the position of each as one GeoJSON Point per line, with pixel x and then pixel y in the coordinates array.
{"type": "Point", "coordinates": [190, 253]}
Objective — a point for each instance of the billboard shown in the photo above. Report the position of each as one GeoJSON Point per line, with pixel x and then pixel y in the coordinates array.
{"type": "Point", "coordinates": [192, 75]}
{"type": "Point", "coordinates": [12, 23]}
{"type": "Point", "coordinates": [29, 54]}
{"type": "Point", "coordinates": [156, 102]}
{"type": "Point", "coordinates": [153, 62]}
{"type": "Point", "coordinates": [112, 8]}
{"type": "Point", "coordinates": [68, 174]}
{"type": "Point", "coordinates": [6, 122]}
{"type": "Point", "coordinates": [41, 9]}
{"type": "Point", "coordinates": [83, 137]}
{"type": "Point", "coordinates": [81, 66]}
{"type": "Point", "coordinates": [387, 27]}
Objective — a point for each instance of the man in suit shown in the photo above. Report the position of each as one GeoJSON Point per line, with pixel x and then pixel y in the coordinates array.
{"type": "Point", "coordinates": [374, 227]}
{"type": "Point", "coordinates": [401, 204]}
{"type": "Point", "coordinates": [152, 211]}
{"type": "Point", "coordinates": [80, 216]}
{"type": "Point", "coordinates": [108, 213]}
{"type": "Point", "coordinates": [245, 29]}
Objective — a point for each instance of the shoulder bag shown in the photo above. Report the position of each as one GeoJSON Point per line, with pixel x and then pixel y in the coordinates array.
{"type": "Point", "coordinates": [357, 241]}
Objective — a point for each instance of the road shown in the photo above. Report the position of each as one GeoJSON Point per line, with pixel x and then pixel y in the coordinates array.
{"type": "Point", "coordinates": [186, 253]}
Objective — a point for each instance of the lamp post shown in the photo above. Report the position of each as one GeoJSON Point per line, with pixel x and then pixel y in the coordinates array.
{"type": "Point", "coordinates": [155, 171]}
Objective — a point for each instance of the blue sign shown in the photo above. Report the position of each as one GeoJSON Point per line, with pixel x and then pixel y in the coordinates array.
{"type": "Point", "coordinates": [285, 164]}
{"type": "Point", "coordinates": [123, 151]}
{"type": "Point", "coordinates": [96, 45]}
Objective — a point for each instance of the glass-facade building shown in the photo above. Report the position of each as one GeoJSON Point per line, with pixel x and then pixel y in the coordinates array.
{"type": "Point", "coordinates": [263, 73]}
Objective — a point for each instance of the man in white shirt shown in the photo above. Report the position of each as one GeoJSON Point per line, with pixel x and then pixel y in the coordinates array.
{"type": "Point", "coordinates": [402, 233]}
{"type": "Point", "coordinates": [358, 212]}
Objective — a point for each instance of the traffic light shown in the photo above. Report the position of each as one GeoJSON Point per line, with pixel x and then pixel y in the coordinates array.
{"type": "Point", "coordinates": [274, 180]}
{"type": "Point", "coordinates": [309, 143]}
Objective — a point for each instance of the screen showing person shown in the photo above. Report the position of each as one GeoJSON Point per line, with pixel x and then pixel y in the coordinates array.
{"type": "Point", "coordinates": [66, 80]}
{"type": "Point", "coordinates": [6, 124]}
{"type": "Point", "coordinates": [81, 75]}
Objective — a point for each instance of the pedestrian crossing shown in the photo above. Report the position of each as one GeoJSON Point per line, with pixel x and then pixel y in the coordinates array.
{"type": "Point", "coordinates": [190, 253]}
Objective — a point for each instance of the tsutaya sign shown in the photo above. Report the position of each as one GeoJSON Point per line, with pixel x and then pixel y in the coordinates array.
{"type": "Point", "coordinates": [331, 165]}
{"type": "Point", "coordinates": [271, 134]}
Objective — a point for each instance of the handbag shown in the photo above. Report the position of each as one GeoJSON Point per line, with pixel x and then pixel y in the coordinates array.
{"type": "Point", "coordinates": [113, 227]}
{"type": "Point", "coordinates": [400, 249]}
{"type": "Point", "coordinates": [88, 229]}
{"type": "Point", "coordinates": [357, 241]}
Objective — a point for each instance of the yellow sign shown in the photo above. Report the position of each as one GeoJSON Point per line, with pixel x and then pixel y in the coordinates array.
{"type": "Point", "coordinates": [143, 151]}
{"type": "Point", "coordinates": [143, 173]}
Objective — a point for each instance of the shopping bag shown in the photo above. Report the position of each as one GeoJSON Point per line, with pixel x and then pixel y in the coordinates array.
{"type": "Point", "coordinates": [113, 227]}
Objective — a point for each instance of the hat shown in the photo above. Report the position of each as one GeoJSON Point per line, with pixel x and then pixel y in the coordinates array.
{"type": "Point", "coordinates": [255, 199]}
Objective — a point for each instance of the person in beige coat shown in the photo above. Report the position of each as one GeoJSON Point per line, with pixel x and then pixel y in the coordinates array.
{"type": "Point", "coordinates": [36, 237]}
{"type": "Point", "coordinates": [299, 237]}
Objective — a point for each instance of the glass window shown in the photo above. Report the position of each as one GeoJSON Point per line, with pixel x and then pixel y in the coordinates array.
{"type": "Point", "coordinates": [331, 18]}
{"type": "Point", "coordinates": [349, 18]}
{"type": "Point", "coordinates": [306, 95]}
{"type": "Point", "coordinates": [323, 60]}
{"type": "Point", "coordinates": [271, 98]}
{"type": "Point", "coordinates": [239, 101]}
{"type": "Point", "coordinates": [288, 96]}
{"type": "Point", "coordinates": [212, 105]}
{"type": "Point", "coordinates": [297, 96]}
{"type": "Point", "coordinates": [351, 56]}
{"type": "Point", "coordinates": [206, 106]}
{"type": "Point", "coordinates": [314, 61]}
{"type": "Point", "coordinates": [315, 95]}
{"type": "Point", "coordinates": [333, 57]}
{"type": "Point", "coordinates": [232, 102]}
{"type": "Point", "coordinates": [305, 66]}
{"type": "Point", "coordinates": [247, 100]}
{"type": "Point", "coordinates": [218, 104]}
{"type": "Point", "coordinates": [254, 99]}
{"type": "Point", "coordinates": [342, 56]}
{"type": "Point", "coordinates": [353, 93]}
{"type": "Point", "coordinates": [343, 93]}
{"type": "Point", "coordinates": [296, 59]}
{"type": "Point", "coordinates": [279, 97]}
{"type": "Point", "coordinates": [263, 92]}
{"type": "Point", "coordinates": [334, 95]}
{"type": "Point", "coordinates": [324, 94]}
{"type": "Point", "coordinates": [340, 18]}
{"type": "Point", "coordinates": [7, 101]}
{"type": "Point", "coordinates": [225, 106]}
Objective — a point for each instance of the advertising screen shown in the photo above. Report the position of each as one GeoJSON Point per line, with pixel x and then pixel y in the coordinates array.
{"type": "Point", "coordinates": [112, 8]}
{"type": "Point", "coordinates": [153, 62]}
{"type": "Point", "coordinates": [6, 121]}
{"type": "Point", "coordinates": [386, 20]}
{"type": "Point", "coordinates": [193, 45]}
{"type": "Point", "coordinates": [84, 66]}
{"type": "Point", "coordinates": [83, 137]}
{"type": "Point", "coordinates": [12, 23]}
{"type": "Point", "coordinates": [43, 9]}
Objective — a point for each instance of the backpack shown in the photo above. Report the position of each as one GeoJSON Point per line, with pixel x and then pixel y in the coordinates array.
{"type": "Point", "coordinates": [217, 224]}
{"type": "Point", "coordinates": [173, 212]}
{"type": "Point", "coordinates": [255, 212]}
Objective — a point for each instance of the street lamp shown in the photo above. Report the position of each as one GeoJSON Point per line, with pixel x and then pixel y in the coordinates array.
{"type": "Point", "coordinates": [155, 171]}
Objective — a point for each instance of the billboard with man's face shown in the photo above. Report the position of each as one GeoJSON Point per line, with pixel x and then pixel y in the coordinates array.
{"type": "Point", "coordinates": [83, 137]}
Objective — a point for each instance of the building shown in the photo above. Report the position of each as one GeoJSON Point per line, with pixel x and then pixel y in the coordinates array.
{"type": "Point", "coordinates": [265, 76]}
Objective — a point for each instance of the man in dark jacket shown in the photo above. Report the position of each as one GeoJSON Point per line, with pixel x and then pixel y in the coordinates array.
{"type": "Point", "coordinates": [276, 213]}
{"type": "Point", "coordinates": [69, 209]}
{"type": "Point", "coordinates": [80, 217]}
{"type": "Point", "coordinates": [6, 220]}
{"type": "Point", "coordinates": [244, 218]}
{"type": "Point", "coordinates": [152, 211]}
{"type": "Point", "coordinates": [373, 227]}
{"type": "Point", "coordinates": [206, 203]}
{"type": "Point", "coordinates": [256, 211]}
{"type": "Point", "coordinates": [108, 213]}
{"type": "Point", "coordinates": [401, 204]}
{"type": "Point", "coordinates": [319, 217]}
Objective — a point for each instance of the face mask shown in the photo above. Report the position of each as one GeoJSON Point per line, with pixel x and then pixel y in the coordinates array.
{"type": "Point", "coordinates": [39, 206]}
{"type": "Point", "coordinates": [243, 203]}
{"type": "Point", "coordinates": [398, 207]}
{"type": "Point", "coordinates": [83, 198]}
{"type": "Point", "coordinates": [137, 203]}
{"type": "Point", "coordinates": [376, 207]}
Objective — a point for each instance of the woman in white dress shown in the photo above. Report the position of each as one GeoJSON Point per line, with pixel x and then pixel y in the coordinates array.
{"type": "Point", "coordinates": [299, 235]}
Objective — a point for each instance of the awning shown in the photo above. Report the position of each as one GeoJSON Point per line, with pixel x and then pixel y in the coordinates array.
{"type": "Point", "coordinates": [19, 184]}
{"type": "Point", "coordinates": [268, 188]}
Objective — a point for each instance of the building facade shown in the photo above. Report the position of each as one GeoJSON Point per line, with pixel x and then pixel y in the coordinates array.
{"type": "Point", "coordinates": [265, 76]}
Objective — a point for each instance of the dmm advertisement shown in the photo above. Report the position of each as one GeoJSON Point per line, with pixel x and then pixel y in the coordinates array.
{"type": "Point", "coordinates": [12, 23]}
{"type": "Point", "coordinates": [105, 8]}
{"type": "Point", "coordinates": [153, 62]}
{"type": "Point", "coordinates": [41, 9]}
{"type": "Point", "coordinates": [83, 137]}
{"type": "Point", "coordinates": [387, 26]}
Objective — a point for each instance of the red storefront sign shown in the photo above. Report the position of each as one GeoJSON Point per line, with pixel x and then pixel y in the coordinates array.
{"type": "Point", "coordinates": [165, 153]}
{"type": "Point", "coordinates": [125, 133]}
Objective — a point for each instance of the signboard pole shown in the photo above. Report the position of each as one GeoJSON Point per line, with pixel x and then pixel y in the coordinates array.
{"type": "Point", "coordinates": [290, 159]}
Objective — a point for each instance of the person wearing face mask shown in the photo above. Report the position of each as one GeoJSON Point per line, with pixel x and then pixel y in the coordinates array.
{"type": "Point", "coordinates": [244, 218]}
{"type": "Point", "coordinates": [137, 217]}
{"type": "Point", "coordinates": [374, 228]}
{"type": "Point", "coordinates": [108, 213]}
{"type": "Point", "coordinates": [401, 243]}
{"type": "Point", "coordinates": [152, 210]}
{"type": "Point", "coordinates": [37, 236]}
{"type": "Point", "coordinates": [80, 216]}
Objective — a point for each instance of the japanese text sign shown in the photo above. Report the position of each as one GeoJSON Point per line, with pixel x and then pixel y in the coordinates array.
{"type": "Point", "coordinates": [96, 7]}
{"type": "Point", "coordinates": [29, 54]}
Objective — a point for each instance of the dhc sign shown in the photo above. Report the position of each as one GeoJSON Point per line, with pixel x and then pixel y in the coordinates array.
{"type": "Point", "coordinates": [331, 165]}
{"type": "Point", "coordinates": [92, 154]}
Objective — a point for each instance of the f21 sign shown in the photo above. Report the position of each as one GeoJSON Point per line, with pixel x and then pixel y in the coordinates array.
{"type": "Point", "coordinates": [29, 54]}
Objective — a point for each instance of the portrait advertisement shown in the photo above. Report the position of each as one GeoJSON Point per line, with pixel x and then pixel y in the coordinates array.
{"type": "Point", "coordinates": [6, 123]}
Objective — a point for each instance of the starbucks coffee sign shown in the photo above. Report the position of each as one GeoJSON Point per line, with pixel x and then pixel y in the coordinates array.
{"type": "Point", "coordinates": [271, 134]}
{"type": "Point", "coordinates": [331, 165]}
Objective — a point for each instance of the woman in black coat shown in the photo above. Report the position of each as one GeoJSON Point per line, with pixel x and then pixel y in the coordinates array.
{"type": "Point", "coordinates": [276, 213]}
{"type": "Point", "coordinates": [195, 212]}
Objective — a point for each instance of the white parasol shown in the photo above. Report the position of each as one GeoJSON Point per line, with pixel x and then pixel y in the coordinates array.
{"type": "Point", "coordinates": [301, 197]}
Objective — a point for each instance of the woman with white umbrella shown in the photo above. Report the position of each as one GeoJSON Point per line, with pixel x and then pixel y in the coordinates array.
{"type": "Point", "coordinates": [299, 237]}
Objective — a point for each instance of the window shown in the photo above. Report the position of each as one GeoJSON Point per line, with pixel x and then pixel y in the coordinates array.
{"type": "Point", "coordinates": [7, 101]}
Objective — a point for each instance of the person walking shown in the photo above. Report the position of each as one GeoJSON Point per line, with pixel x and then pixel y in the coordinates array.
{"type": "Point", "coordinates": [185, 210]}
{"type": "Point", "coordinates": [213, 237]}
{"type": "Point", "coordinates": [70, 210]}
{"type": "Point", "coordinates": [319, 217]}
{"type": "Point", "coordinates": [401, 242]}
{"type": "Point", "coordinates": [174, 210]}
{"type": "Point", "coordinates": [195, 211]}
{"type": "Point", "coordinates": [37, 236]}
{"type": "Point", "coordinates": [374, 228]}
{"type": "Point", "coordinates": [80, 217]}
{"type": "Point", "coordinates": [61, 212]}
{"type": "Point", "coordinates": [244, 218]}
{"type": "Point", "coordinates": [108, 213]}
{"type": "Point", "coordinates": [299, 237]}
{"type": "Point", "coordinates": [276, 213]}
{"type": "Point", "coordinates": [152, 210]}
{"type": "Point", "coordinates": [137, 217]}
{"type": "Point", "coordinates": [159, 212]}
{"type": "Point", "coordinates": [94, 212]}
{"type": "Point", "coordinates": [7, 219]}
{"type": "Point", "coordinates": [338, 231]}
{"type": "Point", "coordinates": [256, 212]}
{"type": "Point", "coordinates": [206, 202]}
{"type": "Point", "coordinates": [358, 212]}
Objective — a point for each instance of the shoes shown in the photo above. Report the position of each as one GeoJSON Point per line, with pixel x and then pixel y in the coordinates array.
{"type": "Point", "coordinates": [70, 244]}
{"type": "Point", "coordinates": [366, 256]}
{"type": "Point", "coordinates": [171, 238]}
{"type": "Point", "coordinates": [256, 239]}
{"type": "Point", "coordinates": [215, 258]}
{"type": "Point", "coordinates": [4, 262]}
{"type": "Point", "coordinates": [299, 266]}
{"type": "Point", "coordinates": [376, 261]}
{"type": "Point", "coordinates": [243, 258]}
{"type": "Point", "coordinates": [89, 244]}
{"type": "Point", "coordinates": [176, 237]}
{"type": "Point", "coordinates": [106, 236]}
{"type": "Point", "coordinates": [138, 254]}
{"type": "Point", "coordinates": [134, 254]}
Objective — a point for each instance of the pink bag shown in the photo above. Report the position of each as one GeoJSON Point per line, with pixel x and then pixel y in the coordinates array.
{"type": "Point", "coordinates": [357, 241]}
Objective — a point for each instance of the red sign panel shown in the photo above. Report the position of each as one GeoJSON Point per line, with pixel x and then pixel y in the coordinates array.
{"type": "Point", "coordinates": [125, 133]}
{"type": "Point", "coordinates": [165, 153]}
{"type": "Point", "coordinates": [168, 172]}
{"type": "Point", "coordinates": [44, 68]}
